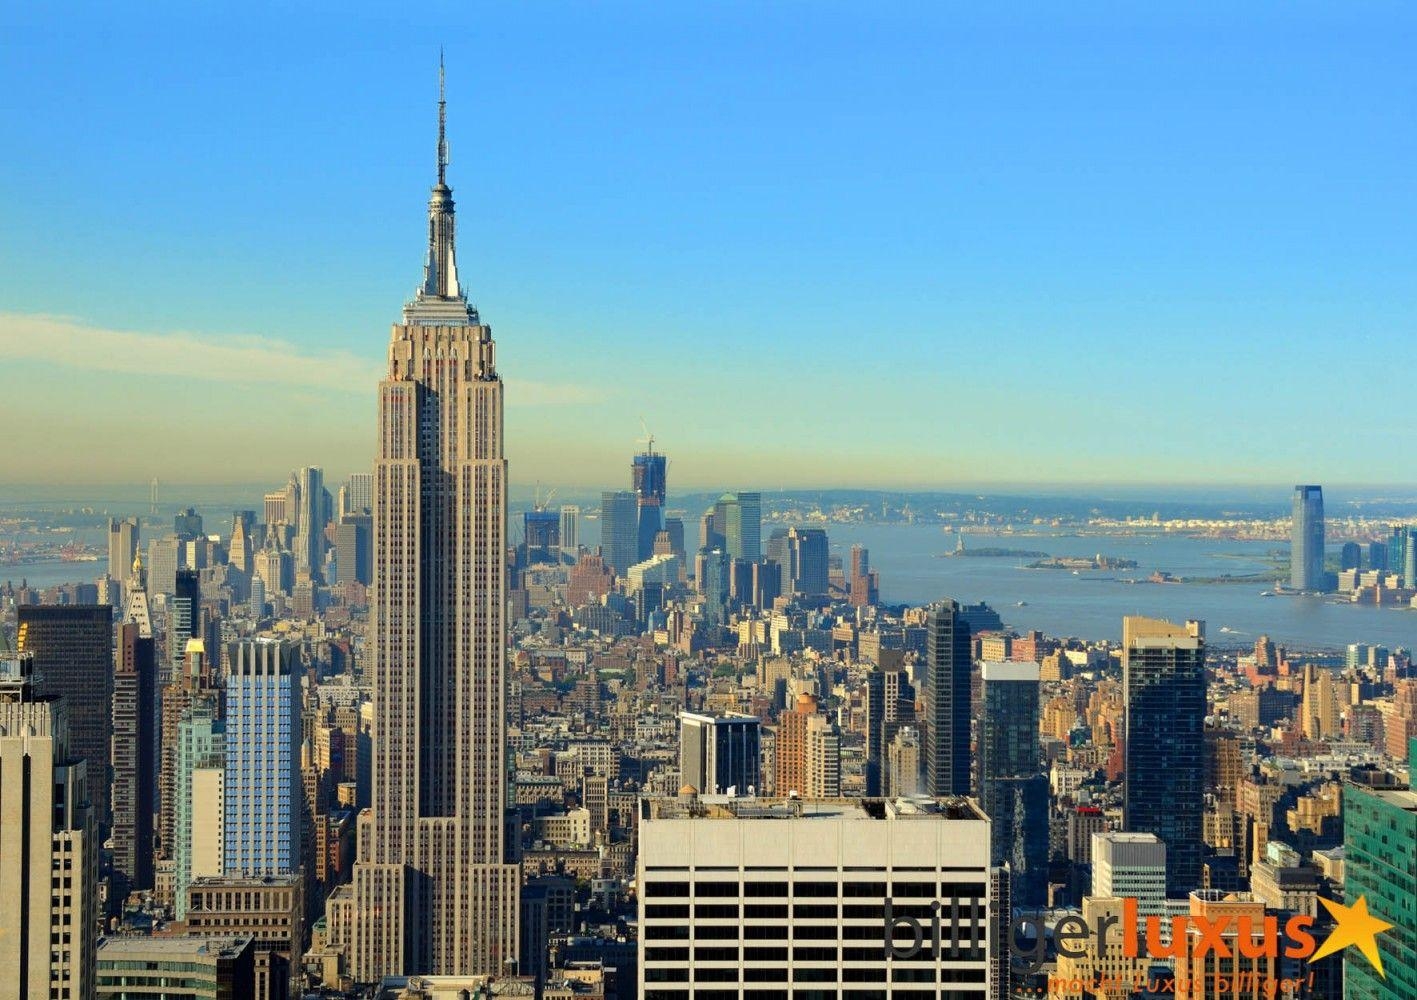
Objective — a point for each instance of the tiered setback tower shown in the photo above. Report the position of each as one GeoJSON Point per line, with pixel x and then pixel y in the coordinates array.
{"type": "Point", "coordinates": [430, 892]}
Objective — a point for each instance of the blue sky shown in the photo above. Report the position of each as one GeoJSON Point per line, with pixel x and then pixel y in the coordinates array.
{"type": "Point", "coordinates": [811, 244]}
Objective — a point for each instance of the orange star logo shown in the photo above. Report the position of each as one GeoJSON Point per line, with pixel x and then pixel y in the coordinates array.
{"type": "Point", "coordinates": [1354, 926]}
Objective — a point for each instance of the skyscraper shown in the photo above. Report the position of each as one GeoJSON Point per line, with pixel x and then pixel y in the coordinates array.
{"type": "Point", "coordinates": [122, 547]}
{"type": "Point", "coordinates": [719, 753]}
{"type": "Point", "coordinates": [619, 529]}
{"type": "Point", "coordinates": [570, 532]}
{"type": "Point", "coordinates": [73, 660]}
{"type": "Point", "coordinates": [48, 846]}
{"type": "Point", "coordinates": [648, 481]}
{"type": "Point", "coordinates": [1379, 843]}
{"type": "Point", "coordinates": [1163, 680]}
{"type": "Point", "coordinates": [808, 555]}
{"type": "Point", "coordinates": [310, 524]}
{"type": "Point", "coordinates": [198, 806]}
{"type": "Point", "coordinates": [359, 493]}
{"type": "Point", "coordinates": [263, 791]}
{"type": "Point", "coordinates": [134, 755]}
{"type": "Point", "coordinates": [431, 893]}
{"type": "Point", "coordinates": [354, 548]}
{"type": "Point", "coordinates": [948, 657]}
{"type": "Point", "coordinates": [1012, 789]}
{"type": "Point", "coordinates": [1306, 540]}
{"type": "Point", "coordinates": [887, 692]}
{"type": "Point", "coordinates": [739, 517]}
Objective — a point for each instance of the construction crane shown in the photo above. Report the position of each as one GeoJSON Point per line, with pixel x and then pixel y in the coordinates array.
{"type": "Point", "coordinates": [539, 504]}
{"type": "Point", "coordinates": [648, 439]}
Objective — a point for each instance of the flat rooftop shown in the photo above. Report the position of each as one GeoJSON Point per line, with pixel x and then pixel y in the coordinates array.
{"type": "Point", "coordinates": [790, 808]}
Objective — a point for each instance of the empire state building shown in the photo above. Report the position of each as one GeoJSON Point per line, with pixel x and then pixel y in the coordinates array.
{"type": "Point", "coordinates": [430, 892]}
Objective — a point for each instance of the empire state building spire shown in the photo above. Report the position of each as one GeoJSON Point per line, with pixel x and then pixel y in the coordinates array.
{"type": "Point", "coordinates": [440, 272]}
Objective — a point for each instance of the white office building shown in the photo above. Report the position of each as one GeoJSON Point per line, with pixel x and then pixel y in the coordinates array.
{"type": "Point", "coordinates": [790, 897]}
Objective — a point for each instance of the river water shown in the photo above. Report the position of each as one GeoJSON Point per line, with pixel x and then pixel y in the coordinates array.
{"type": "Point", "coordinates": [1090, 604]}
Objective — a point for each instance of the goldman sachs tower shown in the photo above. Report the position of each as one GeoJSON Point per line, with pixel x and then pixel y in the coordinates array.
{"type": "Point", "coordinates": [430, 893]}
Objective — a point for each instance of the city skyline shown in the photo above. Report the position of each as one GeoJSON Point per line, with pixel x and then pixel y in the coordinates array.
{"type": "Point", "coordinates": [712, 223]}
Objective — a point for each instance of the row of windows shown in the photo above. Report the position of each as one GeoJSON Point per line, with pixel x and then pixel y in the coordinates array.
{"type": "Point", "coordinates": [848, 890]}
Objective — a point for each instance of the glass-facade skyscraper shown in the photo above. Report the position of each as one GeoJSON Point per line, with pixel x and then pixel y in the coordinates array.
{"type": "Point", "coordinates": [619, 529]}
{"type": "Point", "coordinates": [1011, 787]}
{"type": "Point", "coordinates": [948, 662]}
{"type": "Point", "coordinates": [1306, 541]}
{"type": "Point", "coordinates": [1163, 680]}
{"type": "Point", "coordinates": [263, 788]}
{"type": "Point", "coordinates": [1380, 845]}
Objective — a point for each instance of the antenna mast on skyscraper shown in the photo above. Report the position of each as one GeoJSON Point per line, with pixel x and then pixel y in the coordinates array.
{"type": "Point", "coordinates": [152, 496]}
{"type": "Point", "coordinates": [442, 123]}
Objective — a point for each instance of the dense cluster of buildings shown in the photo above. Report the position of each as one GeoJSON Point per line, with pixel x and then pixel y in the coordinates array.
{"type": "Point", "coordinates": [369, 744]}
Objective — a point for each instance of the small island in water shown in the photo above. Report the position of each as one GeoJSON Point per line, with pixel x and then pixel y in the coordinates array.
{"type": "Point", "coordinates": [1098, 561]}
{"type": "Point", "coordinates": [995, 552]}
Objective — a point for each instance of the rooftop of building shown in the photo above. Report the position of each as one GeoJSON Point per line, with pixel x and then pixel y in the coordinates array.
{"type": "Point", "coordinates": [691, 806]}
{"type": "Point", "coordinates": [221, 946]}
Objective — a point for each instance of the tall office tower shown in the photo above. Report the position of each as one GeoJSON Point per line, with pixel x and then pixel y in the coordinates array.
{"type": "Point", "coordinates": [1012, 790]}
{"type": "Point", "coordinates": [710, 531]}
{"type": "Point", "coordinates": [807, 567]}
{"type": "Point", "coordinates": [198, 809]}
{"type": "Point", "coordinates": [902, 772]}
{"type": "Point", "coordinates": [183, 611]}
{"type": "Point", "coordinates": [431, 893]}
{"type": "Point", "coordinates": [73, 660]}
{"type": "Point", "coordinates": [187, 525]}
{"type": "Point", "coordinates": [1377, 555]}
{"type": "Point", "coordinates": [275, 567]}
{"type": "Point", "coordinates": [354, 548]}
{"type": "Point", "coordinates": [823, 752]}
{"type": "Point", "coordinates": [48, 846]}
{"type": "Point", "coordinates": [863, 584]}
{"type": "Point", "coordinates": [1320, 717]}
{"type": "Point", "coordinates": [948, 657]}
{"type": "Point", "coordinates": [619, 530]}
{"type": "Point", "coordinates": [1351, 556]}
{"type": "Point", "coordinates": [887, 692]}
{"type": "Point", "coordinates": [1163, 681]}
{"type": "Point", "coordinates": [648, 481]}
{"type": "Point", "coordinates": [541, 537]}
{"type": "Point", "coordinates": [711, 567]}
{"type": "Point", "coordinates": [134, 756]}
{"type": "Point", "coordinates": [649, 523]}
{"type": "Point", "coordinates": [164, 559]}
{"type": "Point", "coordinates": [720, 753]}
{"type": "Point", "coordinates": [718, 878]}
{"type": "Point", "coordinates": [1306, 540]}
{"type": "Point", "coordinates": [1379, 843]}
{"type": "Point", "coordinates": [739, 517]}
{"type": "Point", "coordinates": [191, 685]}
{"type": "Point", "coordinates": [767, 583]}
{"type": "Point", "coordinates": [122, 547]}
{"type": "Point", "coordinates": [359, 493]}
{"type": "Point", "coordinates": [277, 508]}
{"type": "Point", "coordinates": [570, 532]}
{"type": "Point", "coordinates": [263, 792]}
{"type": "Point", "coordinates": [240, 554]}
{"type": "Point", "coordinates": [310, 524]}
{"type": "Point", "coordinates": [790, 757]}
{"type": "Point", "coordinates": [647, 474]}
{"type": "Point", "coordinates": [674, 528]}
